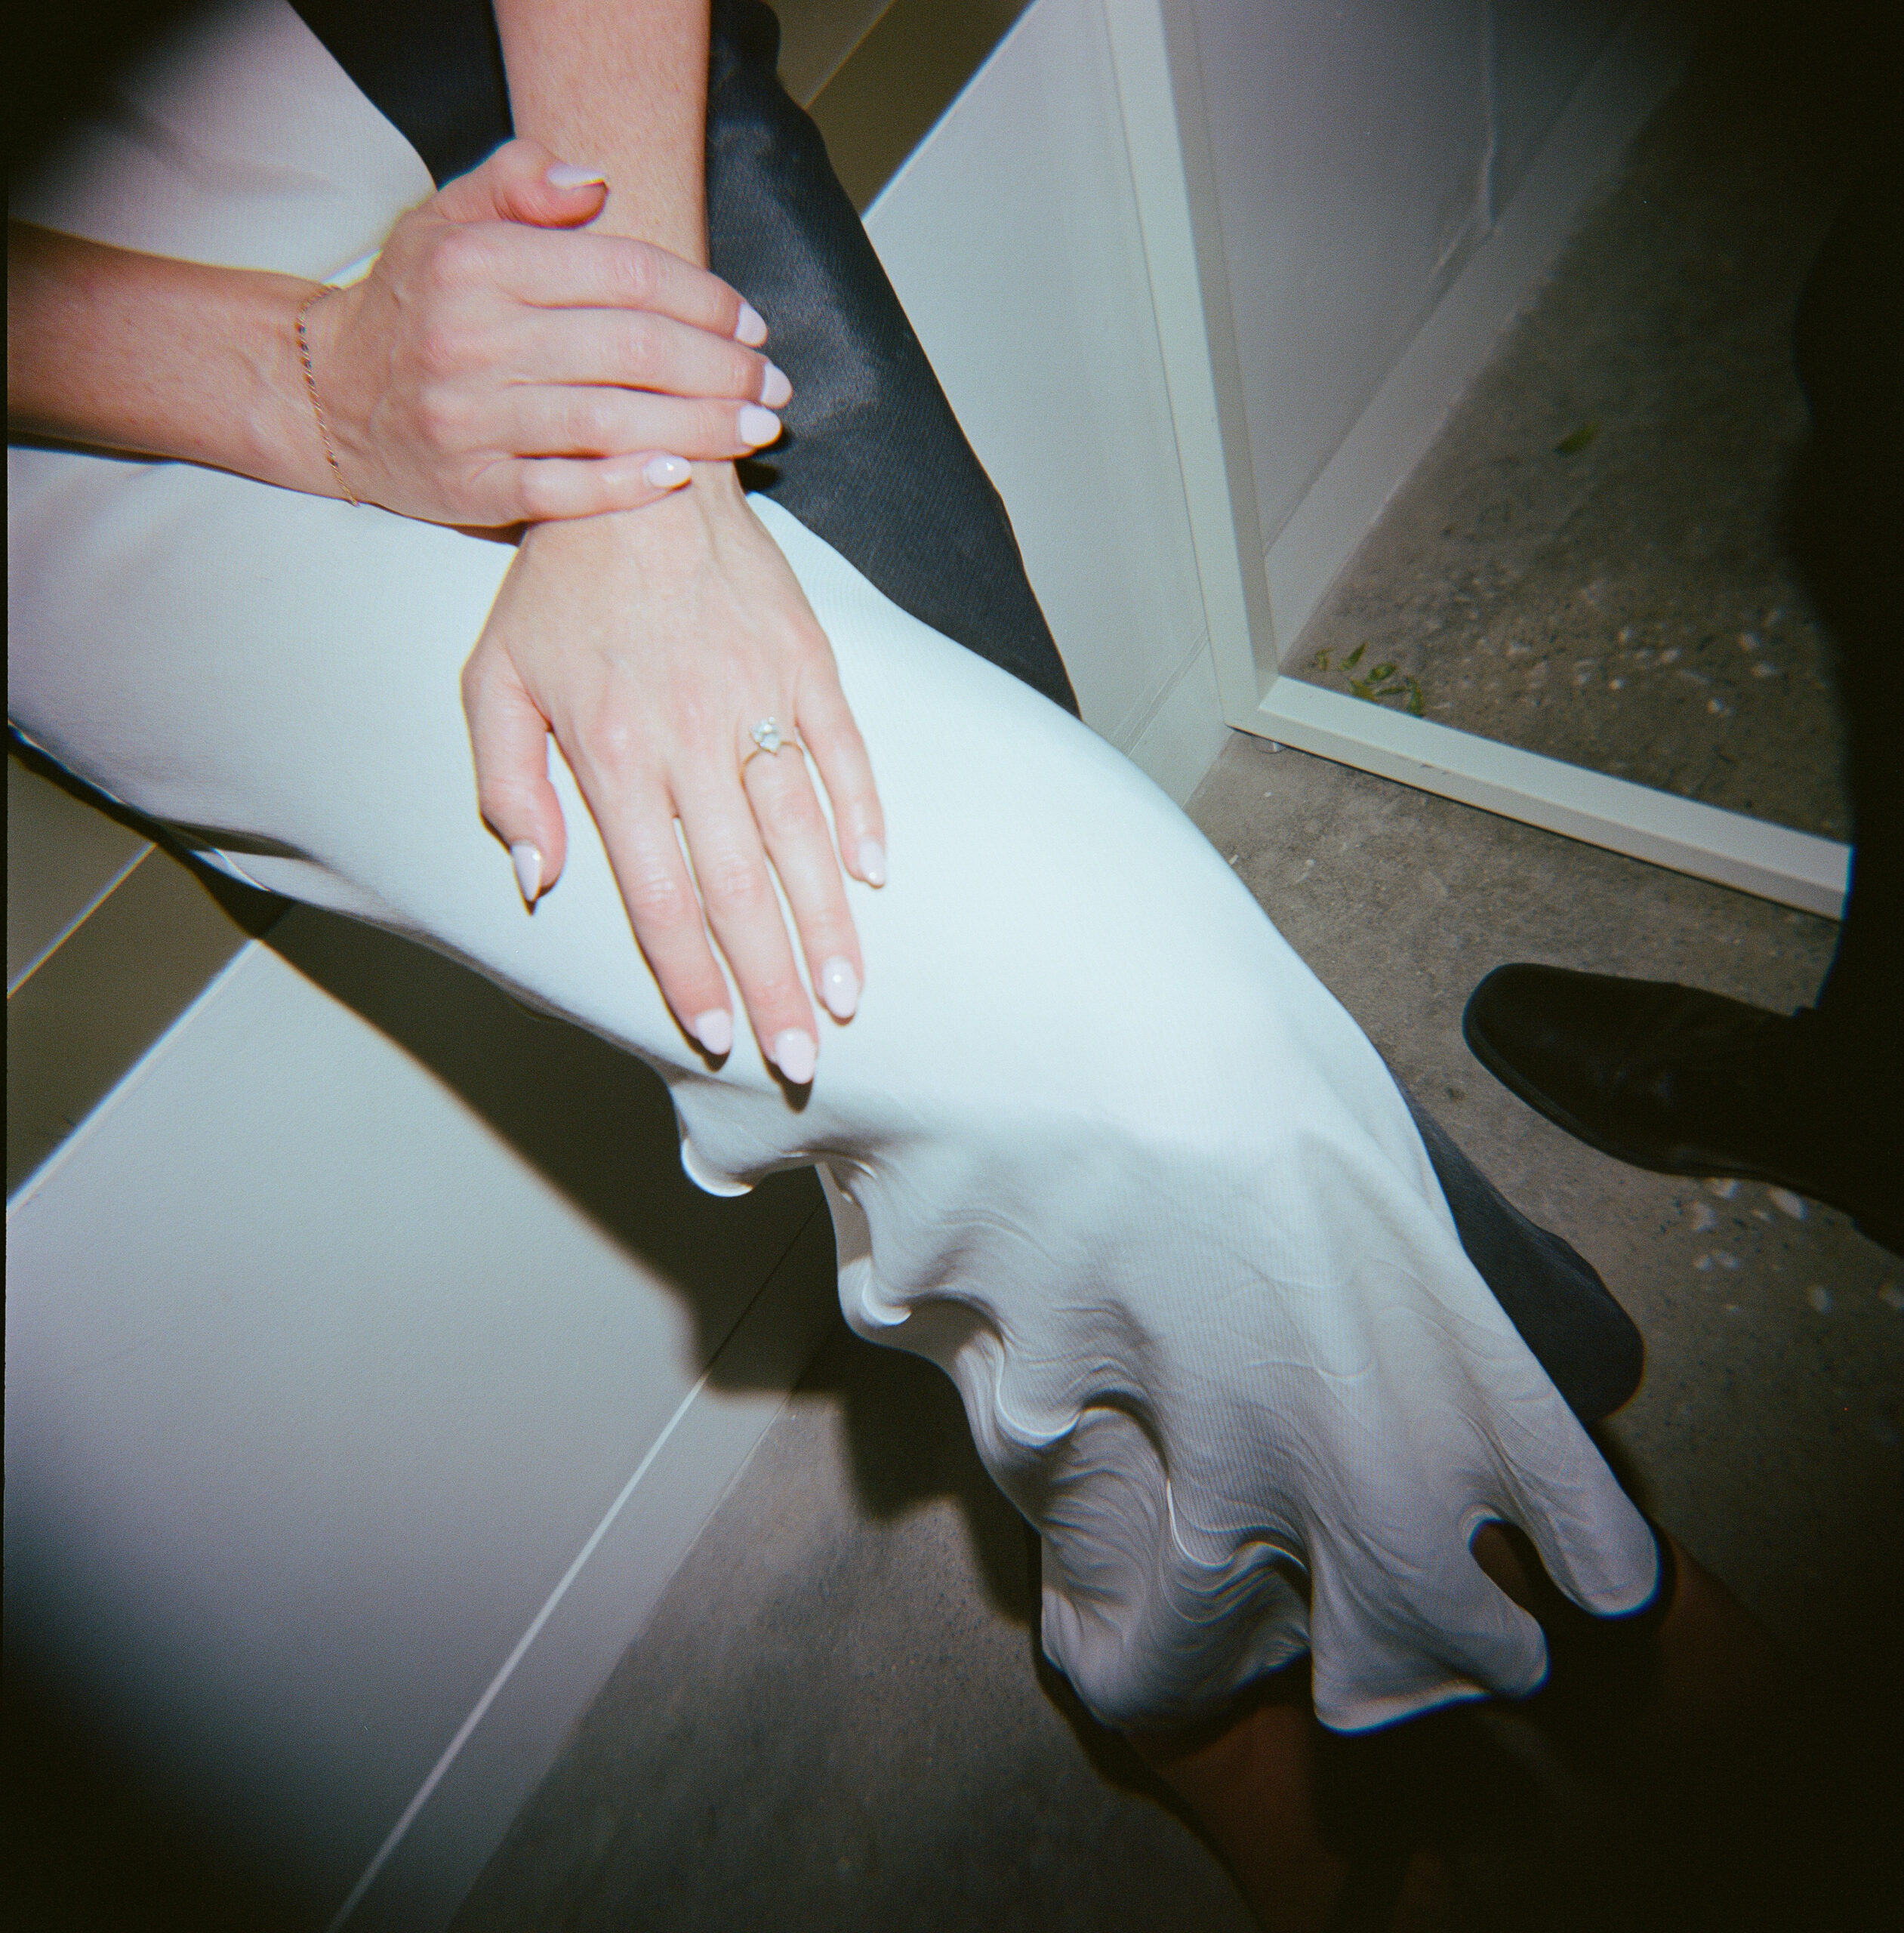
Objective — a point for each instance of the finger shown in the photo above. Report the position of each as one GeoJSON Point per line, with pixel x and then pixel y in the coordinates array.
{"type": "Point", "coordinates": [561, 270]}
{"type": "Point", "coordinates": [550, 489]}
{"type": "Point", "coordinates": [827, 730]}
{"type": "Point", "coordinates": [794, 831]}
{"type": "Point", "coordinates": [509, 739]}
{"type": "Point", "coordinates": [658, 890]}
{"type": "Point", "coordinates": [737, 894]}
{"type": "Point", "coordinates": [523, 182]}
{"type": "Point", "coordinates": [633, 349]}
{"type": "Point", "coordinates": [539, 419]}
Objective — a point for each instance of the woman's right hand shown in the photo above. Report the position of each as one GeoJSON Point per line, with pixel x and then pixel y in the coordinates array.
{"type": "Point", "coordinates": [490, 371]}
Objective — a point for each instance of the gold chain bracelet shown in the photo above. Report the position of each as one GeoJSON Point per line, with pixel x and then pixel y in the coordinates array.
{"type": "Point", "coordinates": [310, 386]}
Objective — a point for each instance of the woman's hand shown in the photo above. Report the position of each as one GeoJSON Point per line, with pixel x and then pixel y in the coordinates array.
{"type": "Point", "coordinates": [652, 645]}
{"type": "Point", "coordinates": [491, 371]}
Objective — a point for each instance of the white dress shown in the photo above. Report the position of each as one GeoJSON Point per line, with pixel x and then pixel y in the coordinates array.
{"type": "Point", "coordinates": [1098, 1143]}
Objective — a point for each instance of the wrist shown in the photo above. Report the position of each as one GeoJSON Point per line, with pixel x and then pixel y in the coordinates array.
{"type": "Point", "coordinates": [684, 522]}
{"type": "Point", "coordinates": [297, 376]}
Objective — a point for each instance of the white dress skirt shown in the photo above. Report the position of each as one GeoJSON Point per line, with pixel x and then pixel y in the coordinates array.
{"type": "Point", "coordinates": [1098, 1143]}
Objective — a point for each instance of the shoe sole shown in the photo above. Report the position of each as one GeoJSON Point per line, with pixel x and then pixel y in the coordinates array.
{"type": "Point", "coordinates": [1883, 1232]}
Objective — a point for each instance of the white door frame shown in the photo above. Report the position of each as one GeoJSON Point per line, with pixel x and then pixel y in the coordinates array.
{"type": "Point", "coordinates": [1252, 601]}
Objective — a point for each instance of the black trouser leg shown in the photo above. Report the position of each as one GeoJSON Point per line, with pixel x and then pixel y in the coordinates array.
{"type": "Point", "coordinates": [1849, 519]}
{"type": "Point", "coordinates": [1586, 1343]}
{"type": "Point", "coordinates": [873, 459]}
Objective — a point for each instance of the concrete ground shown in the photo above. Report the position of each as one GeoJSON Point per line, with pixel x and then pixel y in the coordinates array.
{"type": "Point", "coordinates": [1592, 561]}
{"type": "Point", "coordinates": [838, 1719]}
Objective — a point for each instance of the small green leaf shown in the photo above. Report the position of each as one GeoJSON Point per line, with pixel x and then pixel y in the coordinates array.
{"type": "Point", "coordinates": [1362, 689]}
{"type": "Point", "coordinates": [1391, 691]}
{"type": "Point", "coordinates": [1416, 708]}
{"type": "Point", "coordinates": [1576, 441]}
{"type": "Point", "coordinates": [1381, 671]}
{"type": "Point", "coordinates": [1355, 656]}
{"type": "Point", "coordinates": [1322, 660]}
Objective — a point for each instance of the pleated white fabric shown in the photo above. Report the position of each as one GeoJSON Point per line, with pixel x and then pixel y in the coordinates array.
{"type": "Point", "coordinates": [1098, 1142]}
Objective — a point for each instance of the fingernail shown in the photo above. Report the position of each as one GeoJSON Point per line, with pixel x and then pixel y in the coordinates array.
{"type": "Point", "coordinates": [714, 1030]}
{"type": "Point", "coordinates": [774, 387]}
{"type": "Point", "coordinates": [840, 988]}
{"type": "Point", "coordinates": [666, 472]}
{"type": "Point", "coordinates": [566, 175]}
{"type": "Point", "coordinates": [794, 1054]}
{"type": "Point", "coordinates": [527, 860]}
{"type": "Point", "coordinates": [758, 427]}
{"type": "Point", "coordinates": [871, 862]}
{"type": "Point", "coordinates": [751, 329]}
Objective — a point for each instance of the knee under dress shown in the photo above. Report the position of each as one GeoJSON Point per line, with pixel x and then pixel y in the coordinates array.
{"type": "Point", "coordinates": [1097, 1142]}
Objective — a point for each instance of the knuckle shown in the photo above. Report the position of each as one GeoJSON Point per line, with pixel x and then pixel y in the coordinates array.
{"type": "Point", "coordinates": [641, 270]}
{"type": "Point", "coordinates": [640, 349]}
{"type": "Point", "coordinates": [659, 900]}
{"type": "Point", "coordinates": [442, 415]}
{"type": "Point", "coordinates": [502, 803]}
{"type": "Point", "coordinates": [539, 491]}
{"type": "Point", "coordinates": [612, 749]}
{"type": "Point", "coordinates": [778, 992]}
{"type": "Point", "coordinates": [591, 421]}
{"type": "Point", "coordinates": [792, 808]}
{"type": "Point", "coordinates": [460, 257]}
{"type": "Point", "coordinates": [736, 883]}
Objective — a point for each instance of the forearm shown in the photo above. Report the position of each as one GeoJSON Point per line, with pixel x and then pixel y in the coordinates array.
{"type": "Point", "coordinates": [172, 359]}
{"type": "Point", "coordinates": [622, 85]}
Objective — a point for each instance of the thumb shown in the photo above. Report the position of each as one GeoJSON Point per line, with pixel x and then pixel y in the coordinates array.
{"type": "Point", "coordinates": [509, 738]}
{"type": "Point", "coordinates": [522, 181]}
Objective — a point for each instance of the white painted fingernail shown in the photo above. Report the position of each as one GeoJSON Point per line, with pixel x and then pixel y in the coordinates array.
{"type": "Point", "coordinates": [775, 386]}
{"type": "Point", "coordinates": [666, 472]}
{"type": "Point", "coordinates": [758, 427]}
{"type": "Point", "coordinates": [566, 175]}
{"type": "Point", "coordinates": [751, 329]}
{"type": "Point", "coordinates": [840, 988]}
{"type": "Point", "coordinates": [871, 862]}
{"type": "Point", "coordinates": [714, 1030]}
{"type": "Point", "coordinates": [794, 1054]}
{"type": "Point", "coordinates": [527, 859]}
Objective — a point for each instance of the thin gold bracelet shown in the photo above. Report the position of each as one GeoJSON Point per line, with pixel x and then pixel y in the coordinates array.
{"type": "Point", "coordinates": [310, 386]}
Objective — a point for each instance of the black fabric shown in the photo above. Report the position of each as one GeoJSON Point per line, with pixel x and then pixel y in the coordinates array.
{"type": "Point", "coordinates": [873, 459]}
{"type": "Point", "coordinates": [1587, 1343]}
{"type": "Point", "coordinates": [1848, 503]}
{"type": "Point", "coordinates": [433, 69]}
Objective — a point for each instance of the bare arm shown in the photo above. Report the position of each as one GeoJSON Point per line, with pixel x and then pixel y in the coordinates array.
{"type": "Point", "coordinates": [651, 644]}
{"type": "Point", "coordinates": [621, 85]}
{"type": "Point", "coordinates": [490, 369]}
{"type": "Point", "coordinates": [135, 351]}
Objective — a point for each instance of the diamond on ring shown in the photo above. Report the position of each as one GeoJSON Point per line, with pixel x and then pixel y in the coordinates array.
{"type": "Point", "coordinates": [768, 736]}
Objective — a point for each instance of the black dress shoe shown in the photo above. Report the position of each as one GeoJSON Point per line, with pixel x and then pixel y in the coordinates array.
{"type": "Point", "coordinates": [1689, 1083]}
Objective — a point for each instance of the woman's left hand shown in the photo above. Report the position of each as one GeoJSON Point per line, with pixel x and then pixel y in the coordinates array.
{"type": "Point", "coordinates": [652, 645]}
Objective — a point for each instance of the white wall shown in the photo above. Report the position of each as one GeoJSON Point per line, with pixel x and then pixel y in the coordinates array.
{"type": "Point", "coordinates": [1363, 150]}
{"type": "Point", "coordinates": [1539, 51]}
{"type": "Point", "coordinates": [318, 1379]}
{"type": "Point", "coordinates": [1012, 237]}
